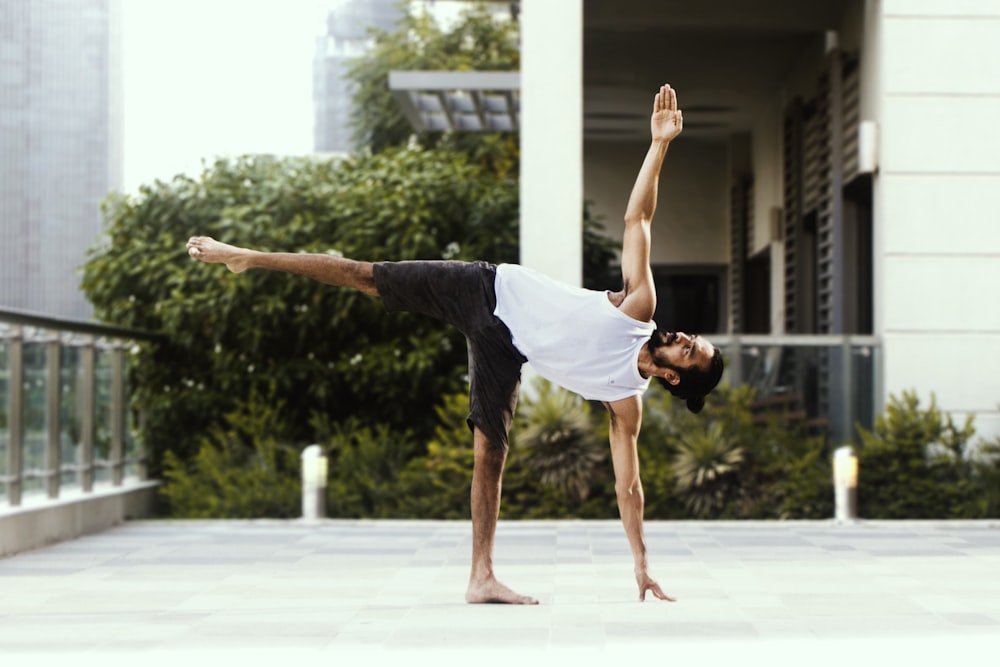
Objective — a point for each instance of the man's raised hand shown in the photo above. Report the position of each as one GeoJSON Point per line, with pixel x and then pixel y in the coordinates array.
{"type": "Point", "coordinates": [667, 120]}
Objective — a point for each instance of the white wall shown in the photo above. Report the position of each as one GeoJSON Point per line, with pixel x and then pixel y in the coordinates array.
{"type": "Point", "coordinates": [938, 203]}
{"type": "Point", "coordinates": [691, 225]}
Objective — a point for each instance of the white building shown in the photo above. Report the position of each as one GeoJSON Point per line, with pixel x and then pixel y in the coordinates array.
{"type": "Point", "coordinates": [60, 146]}
{"type": "Point", "coordinates": [838, 175]}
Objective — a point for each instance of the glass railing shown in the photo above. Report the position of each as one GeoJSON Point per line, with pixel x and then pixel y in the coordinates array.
{"type": "Point", "coordinates": [66, 425]}
{"type": "Point", "coordinates": [828, 383]}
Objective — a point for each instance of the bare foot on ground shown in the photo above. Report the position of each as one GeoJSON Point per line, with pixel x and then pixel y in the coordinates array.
{"type": "Point", "coordinates": [207, 249]}
{"type": "Point", "coordinates": [492, 591]}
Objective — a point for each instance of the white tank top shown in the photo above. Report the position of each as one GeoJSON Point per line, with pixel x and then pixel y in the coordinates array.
{"type": "Point", "coordinates": [572, 336]}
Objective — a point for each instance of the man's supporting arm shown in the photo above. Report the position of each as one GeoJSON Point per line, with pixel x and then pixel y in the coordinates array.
{"type": "Point", "coordinates": [626, 417]}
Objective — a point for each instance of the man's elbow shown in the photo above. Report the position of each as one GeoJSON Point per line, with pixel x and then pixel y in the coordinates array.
{"type": "Point", "coordinates": [633, 218]}
{"type": "Point", "coordinates": [631, 490]}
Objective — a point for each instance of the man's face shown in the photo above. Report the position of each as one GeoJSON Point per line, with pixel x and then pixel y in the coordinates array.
{"type": "Point", "coordinates": [681, 350]}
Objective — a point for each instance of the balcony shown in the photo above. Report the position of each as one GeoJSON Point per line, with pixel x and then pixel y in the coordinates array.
{"type": "Point", "coordinates": [68, 445]}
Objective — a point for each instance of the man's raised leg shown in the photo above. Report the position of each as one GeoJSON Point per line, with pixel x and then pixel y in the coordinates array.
{"type": "Point", "coordinates": [328, 269]}
{"type": "Point", "coordinates": [487, 475]}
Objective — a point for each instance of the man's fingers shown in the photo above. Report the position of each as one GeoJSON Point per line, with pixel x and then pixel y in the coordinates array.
{"type": "Point", "coordinates": [663, 596]}
{"type": "Point", "coordinates": [657, 592]}
{"type": "Point", "coordinates": [665, 99]}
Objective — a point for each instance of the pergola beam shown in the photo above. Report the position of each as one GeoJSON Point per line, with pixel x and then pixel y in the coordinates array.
{"type": "Point", "coordinates": [449, 88]}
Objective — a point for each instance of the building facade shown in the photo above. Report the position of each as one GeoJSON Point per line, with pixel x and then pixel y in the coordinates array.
{"type": "Point", "coordinates": [838, 173]}
{"type": "Point", "coordinates": [833, 196]}
{"type": "Point", "coordinates": [60, 146]}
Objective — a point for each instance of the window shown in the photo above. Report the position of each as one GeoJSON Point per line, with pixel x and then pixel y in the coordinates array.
{"type": "Point", "coordinates": [690, 298]}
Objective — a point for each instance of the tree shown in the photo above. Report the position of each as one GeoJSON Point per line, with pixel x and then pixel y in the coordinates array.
{"type": "Point", "coordinates": [477, 42]}
{"type": "Point", "coordinates": [320, 350]}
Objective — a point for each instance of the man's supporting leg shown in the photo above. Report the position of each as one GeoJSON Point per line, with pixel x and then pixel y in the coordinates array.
{"type": "Point", "coordinates": [487, 477]}
{"type": "Point", "coordinates": [327, 269]}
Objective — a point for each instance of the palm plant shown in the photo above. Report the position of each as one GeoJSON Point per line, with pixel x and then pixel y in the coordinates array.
{"type": "Point", "coordinates": [560, 440]}
{"type": "Point", "coordinates": [705, 468]}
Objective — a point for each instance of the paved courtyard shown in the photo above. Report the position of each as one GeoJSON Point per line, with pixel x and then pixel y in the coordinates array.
{"type": "Point", "coordinates": [748, 592]}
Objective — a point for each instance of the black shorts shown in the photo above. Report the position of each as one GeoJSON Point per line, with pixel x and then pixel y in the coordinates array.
{"type": "Point", "coordinates": [463, 295]}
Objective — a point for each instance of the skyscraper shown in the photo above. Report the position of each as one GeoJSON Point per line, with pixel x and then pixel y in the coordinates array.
{"type": "Point", "coordinates": [60, 146]}
{"type": "Point", "coordinates": [346, 38]}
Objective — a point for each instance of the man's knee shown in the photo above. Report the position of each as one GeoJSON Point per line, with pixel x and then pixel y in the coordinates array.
{"type": "Point", "coordinates": [488, 454]}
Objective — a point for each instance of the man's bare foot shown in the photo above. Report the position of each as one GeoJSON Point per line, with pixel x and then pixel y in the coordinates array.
{"type": "Point", "coordinates": [207, 249]}
{"type": "Point", "coordinates": [492, 591]}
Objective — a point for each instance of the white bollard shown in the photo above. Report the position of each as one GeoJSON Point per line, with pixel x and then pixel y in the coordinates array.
{"type": "Point", "coordinates": [845, 484]}
{"type": "Point", "coordinates": [314, 471]}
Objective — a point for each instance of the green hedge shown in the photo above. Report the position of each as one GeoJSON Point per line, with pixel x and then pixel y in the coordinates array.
{"type": "Point", "coordinates": [917, 463]}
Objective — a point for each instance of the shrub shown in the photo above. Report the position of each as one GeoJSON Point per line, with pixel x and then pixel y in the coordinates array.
{"type": "Point", "coordinates": [242, 469]}
{"type": "Point", "coordinates": [539, 481]}
{"type": "Point", "coordinates": [718, 464]}
{"type": "Point", "coordinates": [436, 484]}
{"type": "Point", "coordinates": [706, 469]}
{"type": "Point", "coordinates": [986, 476]}
{"type": "Point", "coordinates": [915, 464]}
{"type": "Point", "coordinates": [365, 466]}
{"type": "Point", "coordinates": [789, 474]}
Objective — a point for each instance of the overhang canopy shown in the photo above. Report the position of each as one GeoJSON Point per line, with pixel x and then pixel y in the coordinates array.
{"type": "Point", "coordinates": [459, 101]}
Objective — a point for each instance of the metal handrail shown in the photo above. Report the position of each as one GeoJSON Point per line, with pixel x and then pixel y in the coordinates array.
{"type": "Point", "coordinates": [805, 340]}
{"type": "Point", "coordinates": [27, 318]}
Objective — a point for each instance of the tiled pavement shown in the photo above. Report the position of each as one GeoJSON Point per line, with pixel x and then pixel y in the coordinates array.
{"type": "Point", "coordinates": [752, 593]}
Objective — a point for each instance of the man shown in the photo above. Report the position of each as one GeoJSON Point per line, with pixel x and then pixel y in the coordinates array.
{"type": "Point", "coordinates": [602, 345]}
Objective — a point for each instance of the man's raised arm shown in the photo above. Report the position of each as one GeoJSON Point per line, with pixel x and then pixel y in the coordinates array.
{"type": "Point", "coordinates": [665, 124]}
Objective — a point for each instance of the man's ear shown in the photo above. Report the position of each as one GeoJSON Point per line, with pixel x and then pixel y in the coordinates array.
{"type": "Point", "coordinates": [671, 377]}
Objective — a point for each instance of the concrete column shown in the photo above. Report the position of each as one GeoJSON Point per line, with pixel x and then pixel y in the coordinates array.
{"type": "Point", "coordinates": [552, 138]}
